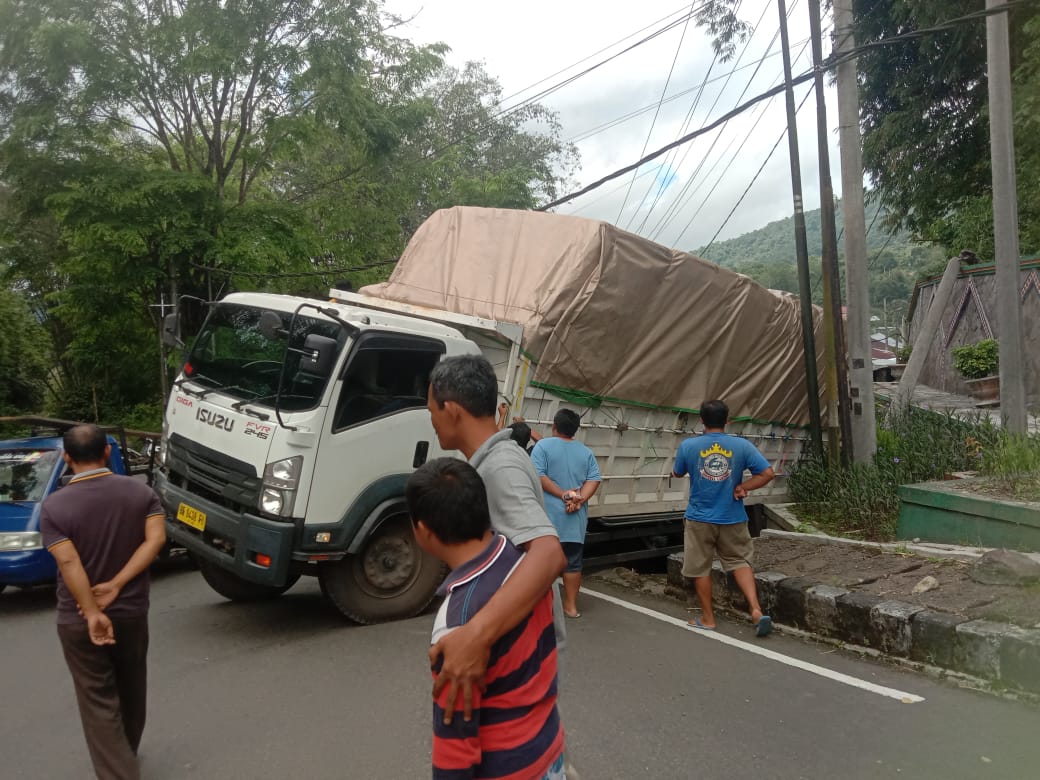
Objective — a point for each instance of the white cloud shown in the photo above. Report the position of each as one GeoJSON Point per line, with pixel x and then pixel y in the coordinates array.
{"type": "Point", "coordinates": [524, 43]}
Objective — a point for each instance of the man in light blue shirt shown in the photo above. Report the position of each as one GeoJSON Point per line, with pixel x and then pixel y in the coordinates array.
{"type": "Point", "coordinates": [570, 477]}
{"type": "Point", "coordinates": [716, 522]}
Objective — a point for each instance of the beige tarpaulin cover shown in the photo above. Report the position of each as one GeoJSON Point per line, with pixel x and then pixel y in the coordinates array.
{"type": "Point", "coordinates": [611, 314]}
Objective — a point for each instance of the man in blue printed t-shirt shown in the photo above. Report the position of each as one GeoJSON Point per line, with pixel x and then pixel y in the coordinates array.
{"type": "Point", "coordinates": [570, 477]}
{"type": "Point", "coordinates": [716, 522]}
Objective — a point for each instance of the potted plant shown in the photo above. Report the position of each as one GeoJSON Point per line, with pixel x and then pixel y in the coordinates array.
{"type": "Point", "coordinates": [978, 364]}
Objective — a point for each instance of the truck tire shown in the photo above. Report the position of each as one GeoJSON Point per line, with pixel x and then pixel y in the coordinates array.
{"type": "Point", "coordinates": [235, 588]}
{"type": "Point", "coordinates": [390, 577]}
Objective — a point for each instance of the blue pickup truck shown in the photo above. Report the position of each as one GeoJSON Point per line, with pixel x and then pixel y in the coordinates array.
{"type": "Point", "coordinates": [31, 468]}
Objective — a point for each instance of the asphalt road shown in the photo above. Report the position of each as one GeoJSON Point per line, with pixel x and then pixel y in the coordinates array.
{"type": "Point", "coordinates": [288, 689]}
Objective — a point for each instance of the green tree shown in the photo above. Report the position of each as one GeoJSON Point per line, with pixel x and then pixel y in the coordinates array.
{"type": "Point", "coordinates": [924, 103]}
{"type": "Point", "coordinates": [150, 149]}
{"type": "Point", "coordinates": [24, 375]}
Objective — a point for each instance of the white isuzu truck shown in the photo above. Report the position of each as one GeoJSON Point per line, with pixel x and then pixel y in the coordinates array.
{"type": "Point", "coordinates": [295, 423]}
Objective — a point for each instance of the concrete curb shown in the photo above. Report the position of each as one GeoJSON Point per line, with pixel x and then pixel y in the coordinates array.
{"type": "Point", "coordinates": [1004, 655]}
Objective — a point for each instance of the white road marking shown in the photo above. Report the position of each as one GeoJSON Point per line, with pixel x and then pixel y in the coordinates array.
{"type": "Point", "coordinates": [757, 649]}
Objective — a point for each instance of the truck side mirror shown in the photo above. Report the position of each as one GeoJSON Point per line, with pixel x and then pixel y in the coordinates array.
{"type": "Point", "coordinates": [171, 330]}
{"type": "Point", "coordinates": [317, 355]}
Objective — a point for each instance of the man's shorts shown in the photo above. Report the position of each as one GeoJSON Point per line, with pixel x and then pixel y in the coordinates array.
{"type": "Point", "coordinates": [703, 541]}
{"type": "Point", "coordinates": [575, 552]}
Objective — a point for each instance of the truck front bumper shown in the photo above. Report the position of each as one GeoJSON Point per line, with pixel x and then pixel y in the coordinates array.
{"type": "Point", "coordinates": [252, 547]}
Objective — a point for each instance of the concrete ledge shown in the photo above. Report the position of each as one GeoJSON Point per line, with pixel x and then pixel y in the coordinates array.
{"type": "Point", "coordinates": [1020, 660]}
{"type": "Point", "coordinates": [821, 609]}
{"type": "Point", "coordinates": [1002, 654]}
{"type": "Point", "coordinates": [932, 638]}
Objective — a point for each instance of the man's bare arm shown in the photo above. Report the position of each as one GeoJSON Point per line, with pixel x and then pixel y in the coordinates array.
{"type": "Point", "coordinates": [154, 539]}
{"type": "Point", "coordinates": [76, 580]}
{"type": "Point", "coordinates": [758, 480]}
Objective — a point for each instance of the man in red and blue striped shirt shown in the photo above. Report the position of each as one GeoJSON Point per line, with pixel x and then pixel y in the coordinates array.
{"type": "Point", "coordinates": [515, 731]}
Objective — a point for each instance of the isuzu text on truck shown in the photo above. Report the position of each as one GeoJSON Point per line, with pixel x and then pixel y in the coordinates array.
{"type": "Point", "coordinates": [290, 433]}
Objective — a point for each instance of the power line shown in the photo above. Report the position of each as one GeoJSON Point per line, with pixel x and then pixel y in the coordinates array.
{"type": "Point", "coordinates": [657, 112]}
{"type": "Point", "coordinates": [677, 203]}
{"type": "Point", "coordinates": [590, 56]}
{"type": "Point", "coordinates": [829, 64]}
{"type": "Point", "coordinates": [292, 275]}
{"type": "Point", "coordinates": [753, 180]}
{"type": "Point", "coordinates": [678, 142]}
{"type": "Point", "coordinates": [718, 181]}
{"type": "Point", "coordinates": [596, 130]}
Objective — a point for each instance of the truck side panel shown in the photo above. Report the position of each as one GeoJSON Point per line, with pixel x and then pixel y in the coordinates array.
{"type": "Point", "coordinates": [635, 445]}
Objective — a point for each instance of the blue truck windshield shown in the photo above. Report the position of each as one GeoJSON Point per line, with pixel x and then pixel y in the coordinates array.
{"type": "Point", "coordinates": [233, 353]}
{"type": "Point", "coordinates": [24, 474]}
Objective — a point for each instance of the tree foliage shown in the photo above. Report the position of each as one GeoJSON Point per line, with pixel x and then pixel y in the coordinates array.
{"type": "Point", "coordinates": [924, 108]}
{"type": "Point", "coordinates": [153, 148]}
{"type": "Point", "coordinates": [23, 356]}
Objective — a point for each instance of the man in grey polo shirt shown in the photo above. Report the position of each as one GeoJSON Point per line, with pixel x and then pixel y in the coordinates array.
{"type": "Point", "coordinates": [462, 402]}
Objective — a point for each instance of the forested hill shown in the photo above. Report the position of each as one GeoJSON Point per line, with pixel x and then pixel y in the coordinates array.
{"type": "Point", "coordinates": [774, 243]}
{"type": "Point", "coordinates": [895, 262]}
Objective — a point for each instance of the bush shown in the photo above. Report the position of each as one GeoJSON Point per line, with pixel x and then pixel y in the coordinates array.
{"type": "Point", "coordinates": [974, 361]}
{"type": "Point", "coordinates": [918, 446]}
{"type": "Point", "coordinates": [903, 353]}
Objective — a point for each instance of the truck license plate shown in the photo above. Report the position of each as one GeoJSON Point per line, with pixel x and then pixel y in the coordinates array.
{"type": "Point", "coordinates": [191, 516]}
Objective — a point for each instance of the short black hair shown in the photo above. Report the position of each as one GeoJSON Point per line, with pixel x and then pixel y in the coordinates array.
{"type": "Point", "coordinates": [469, 381]}
{"type": "Point", "coordinates": [521, 433]}
{"type": "Point", "coordinates": [448, 495]}
{"type": "Point", "coordinates": [714, 414]}
{"type": "Point", "coordinates": [85, 443]}
{"type": "Point", "coordinates": [567, 422]}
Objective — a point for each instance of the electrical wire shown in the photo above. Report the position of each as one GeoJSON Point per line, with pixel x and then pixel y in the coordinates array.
{"type": "Point", "coordinates": [754, 178]}
{"type": "Point", "coordinates": [657, 113]}
{"type": "Point", "coordinates": [740, 148]}
{"type": "Point", "coordinates": [828, 64]}
{"type": "Point", "coordinates": [688, 190]}
{"type": "Point", "coordinates": [690, 115]}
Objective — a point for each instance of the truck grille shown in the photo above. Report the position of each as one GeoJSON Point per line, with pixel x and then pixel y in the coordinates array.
{"type": "Point", "coordinates": [212, 475]}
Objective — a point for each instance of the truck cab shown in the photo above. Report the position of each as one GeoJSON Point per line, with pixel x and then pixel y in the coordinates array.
{"type": "Point", "coordinates": [32, 468]}
{"type": "Point", "coordinates": [288, 439]}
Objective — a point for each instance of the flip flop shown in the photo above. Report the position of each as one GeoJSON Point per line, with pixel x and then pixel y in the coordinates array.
{"type": "Point", "coordinates": [696, 623]}
{"type": "Point", "coordinates": [575, 616]}
{"type": "Point", "coordinates": [764, 626]}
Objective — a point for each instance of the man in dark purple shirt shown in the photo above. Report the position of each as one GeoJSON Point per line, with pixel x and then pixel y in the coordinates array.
{"type": "Point", "coordinates": [104, 530]}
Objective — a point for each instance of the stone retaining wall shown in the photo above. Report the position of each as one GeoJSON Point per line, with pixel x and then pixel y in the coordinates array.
{"type": "Point", "coordinates": [1004, 654]}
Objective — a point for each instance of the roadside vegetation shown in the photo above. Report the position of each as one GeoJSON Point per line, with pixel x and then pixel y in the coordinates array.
{"type": "Point", "coordinates": [862, 501]}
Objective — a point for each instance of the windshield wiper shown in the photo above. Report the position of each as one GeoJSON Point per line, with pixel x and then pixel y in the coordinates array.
{"type": "Point", "coordinates": [240, 406]}
{"type": "Point", "coordinates": [179, 384]}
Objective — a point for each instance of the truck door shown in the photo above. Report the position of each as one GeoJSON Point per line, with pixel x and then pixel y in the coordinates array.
{"type": "Point", "coordinates": [379, 426]}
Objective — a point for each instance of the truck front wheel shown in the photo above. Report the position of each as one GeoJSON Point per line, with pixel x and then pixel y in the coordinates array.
{"type": "Point", "coordinates": [235, 588]}
{"type": "Point", "coordinates": [390, 577]}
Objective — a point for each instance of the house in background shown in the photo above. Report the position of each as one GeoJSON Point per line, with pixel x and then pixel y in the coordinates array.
{"type": "Point", "coordinates": [971, 316]}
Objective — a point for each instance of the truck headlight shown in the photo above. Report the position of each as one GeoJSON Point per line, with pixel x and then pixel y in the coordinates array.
{"type": "Point", "coordinates": [20, 540]}
{"type": "Point", "coordinates": [272, 501]}
{"type": "Point", "coordinates": [278, 492]}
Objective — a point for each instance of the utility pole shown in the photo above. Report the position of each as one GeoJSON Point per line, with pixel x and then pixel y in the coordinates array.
{"type": "Point", "coordinates": [1005, 221]}
{"type": "Point", "coordinates": [812, 387]}
{"type": "Point", "coordinates": [834, 329]}
{"type": "Point", "coordinates": [857, 284]}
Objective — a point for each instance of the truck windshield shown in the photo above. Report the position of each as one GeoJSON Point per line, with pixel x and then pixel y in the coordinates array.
{"type": "Point", "coordinates": [24, 474]}
{"type": "Point", "coordinates": [233, 354]}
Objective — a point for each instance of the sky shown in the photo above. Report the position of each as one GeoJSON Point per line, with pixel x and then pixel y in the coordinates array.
{"type": "Point", "coordinates": [681, 200]}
